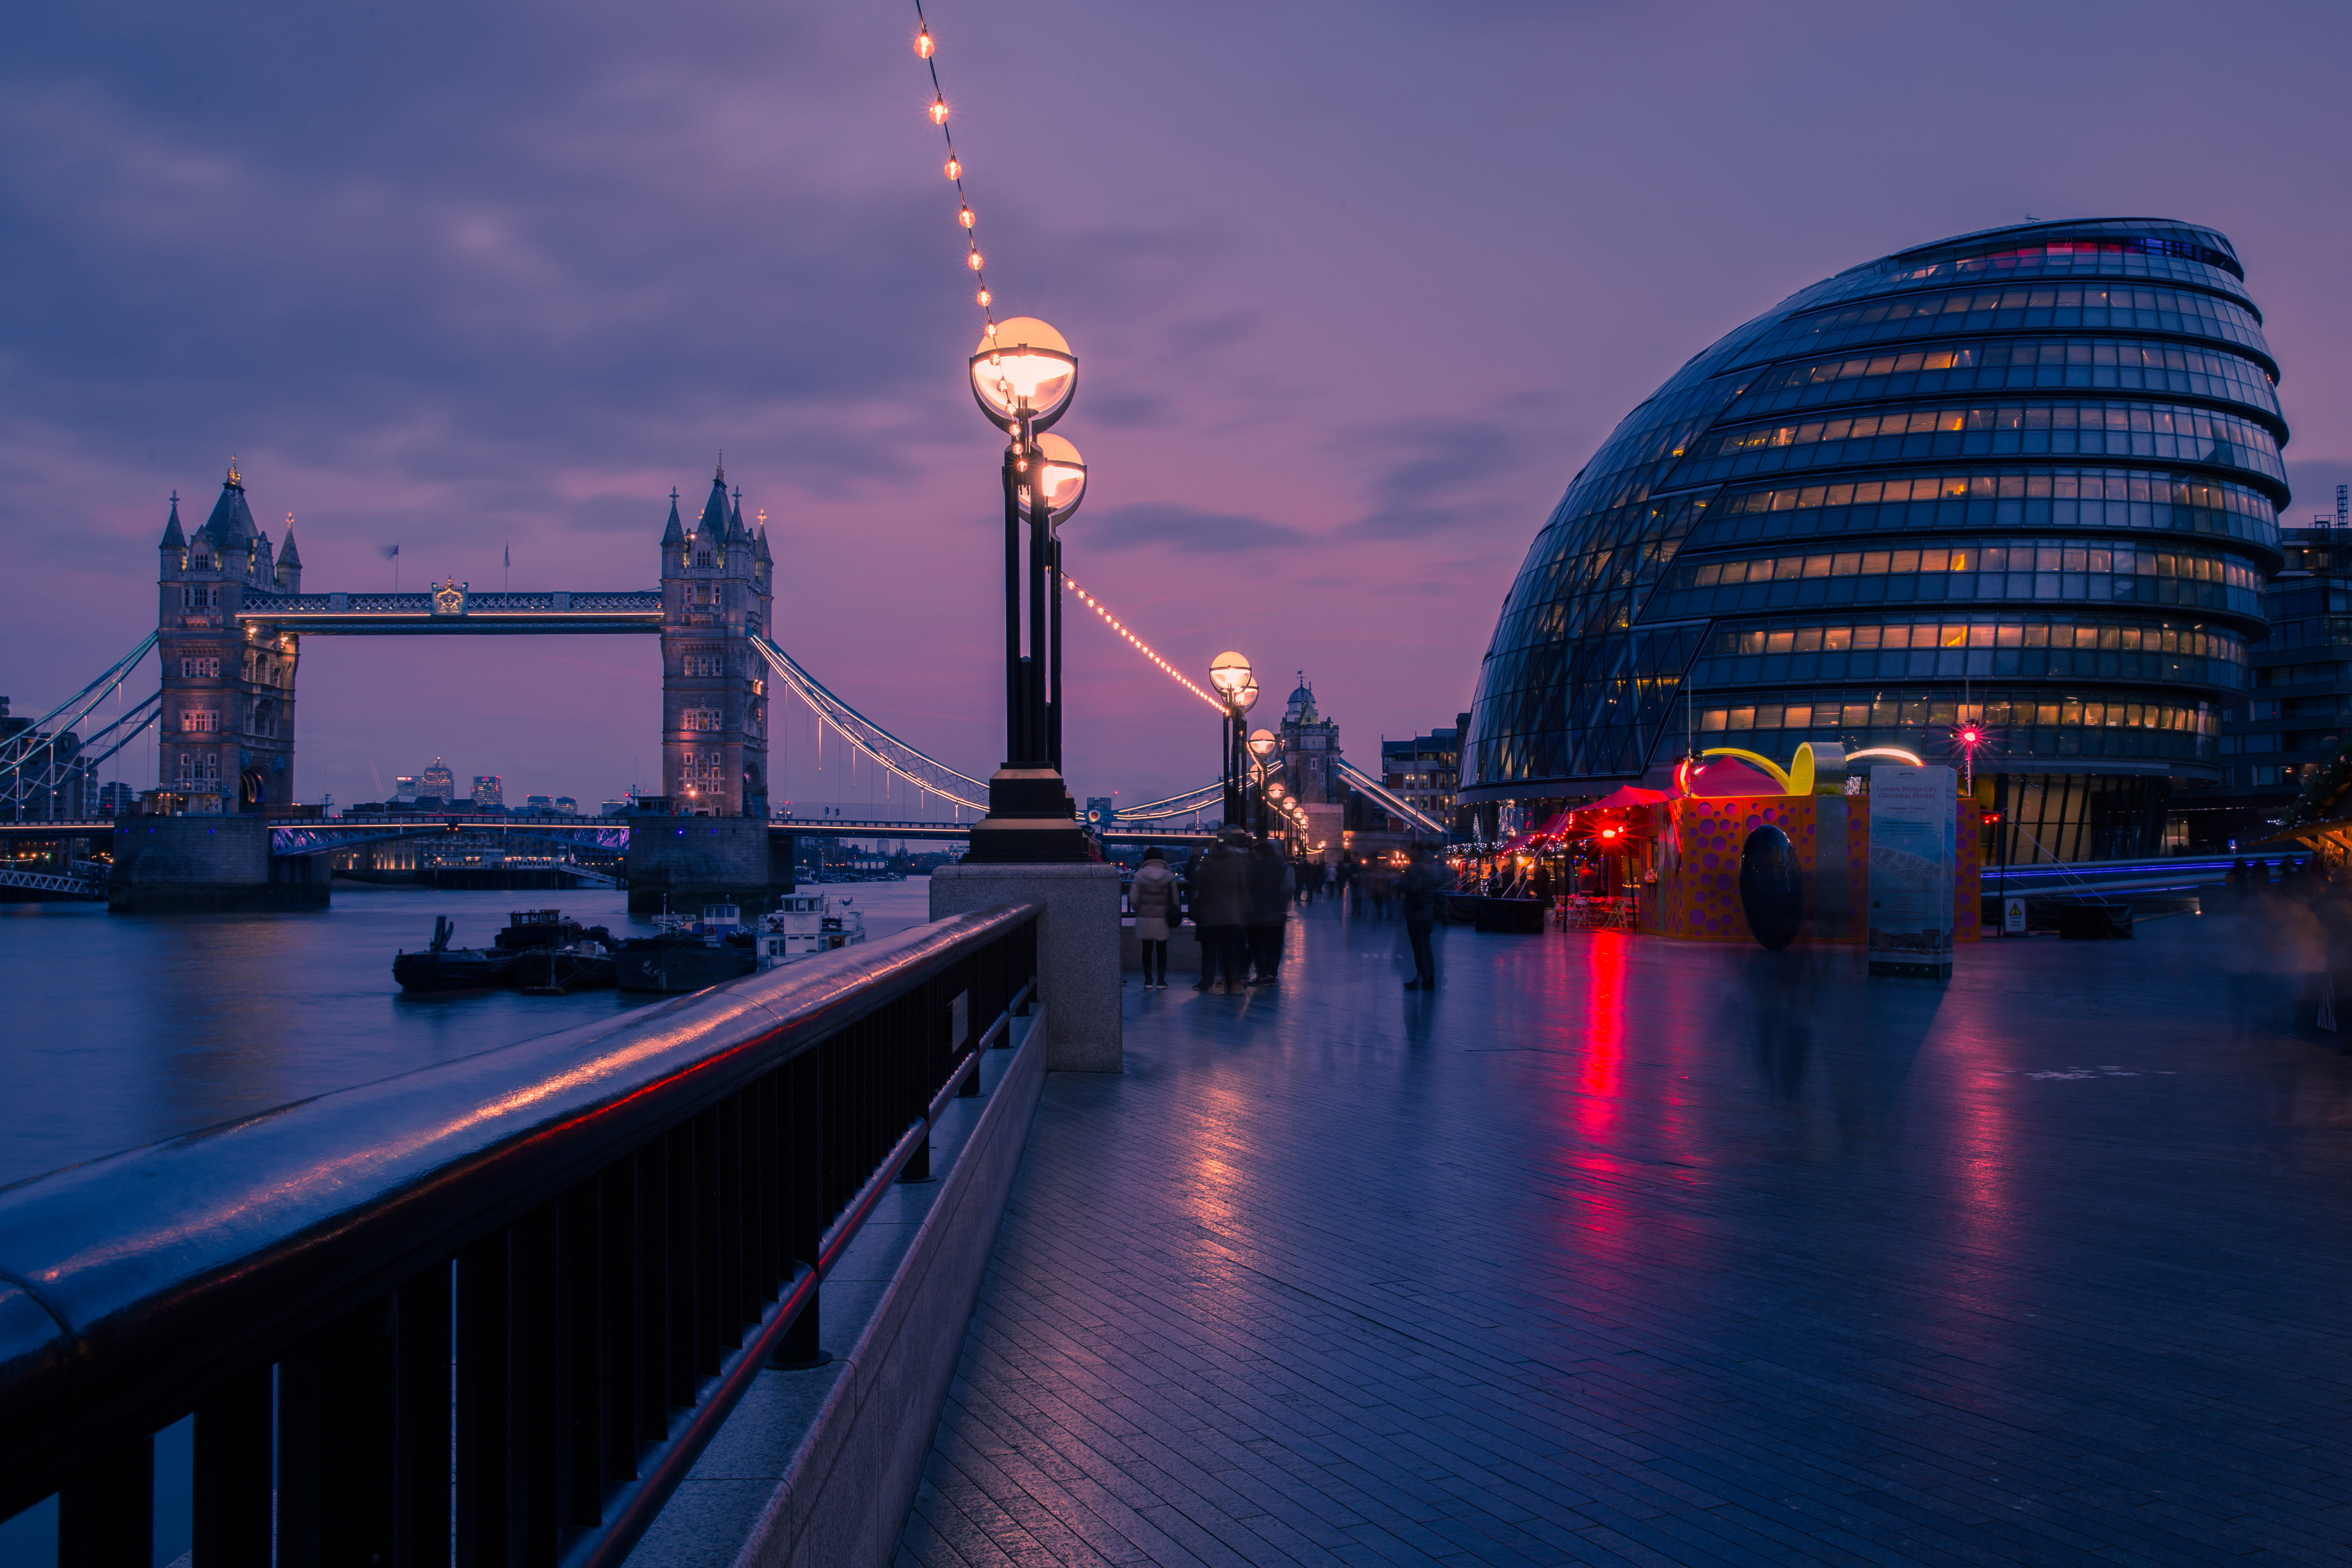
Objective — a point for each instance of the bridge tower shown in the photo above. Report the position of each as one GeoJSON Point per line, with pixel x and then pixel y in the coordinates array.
{"type": "Point", "coordinates": [227, 721]}
{"type": "Point", "coordinates": [716, 594]}
{"type": "Point", "coordinates": [1310, 753]}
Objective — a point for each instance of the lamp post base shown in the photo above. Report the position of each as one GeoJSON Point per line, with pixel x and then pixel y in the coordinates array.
{"type": "Point", "coordinates": [1031, 820]}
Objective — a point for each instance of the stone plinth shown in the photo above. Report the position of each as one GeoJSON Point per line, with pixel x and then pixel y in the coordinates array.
{"type": "Point", "coordinates": [1078, 948]}
{"type": "Point", "coordinates": [194, 864]}
{"type": "Point", "coordinates": [682, 863]}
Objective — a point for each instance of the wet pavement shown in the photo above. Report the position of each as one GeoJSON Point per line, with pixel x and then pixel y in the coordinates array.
{"type": "Point", "coordinates": [1619, 1250]}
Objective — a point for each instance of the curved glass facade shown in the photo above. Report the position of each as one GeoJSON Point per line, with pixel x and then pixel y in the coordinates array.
{"type": "Point", "coordinates": [2028, 479]}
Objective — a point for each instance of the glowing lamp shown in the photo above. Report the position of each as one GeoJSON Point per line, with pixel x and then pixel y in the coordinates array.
{"type": "Point", "coordinates": [1024, 371]}
{"type": "Point", "coordinates": [1263, 744]}
{"type": "Point", "coordinates": [1246, 698]}
{"type": "Point", "coordinates": [1062, 478]}
{"type": "Point", "coordinates": [1229, 673]}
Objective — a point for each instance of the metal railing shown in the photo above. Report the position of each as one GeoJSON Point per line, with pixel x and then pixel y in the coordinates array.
{"type": "Point", "coordinates": [491, 1310]}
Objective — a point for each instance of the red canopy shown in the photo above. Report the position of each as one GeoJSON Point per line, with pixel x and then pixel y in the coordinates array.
{"type": "Point", "coordinates": [1726, 776]}
{"type": "Point", "coordinates": [1627, 795]}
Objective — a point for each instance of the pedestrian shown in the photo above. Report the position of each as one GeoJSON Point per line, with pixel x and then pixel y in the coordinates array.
{"type": "Point", "coordinates": [1417, 890]}
{"type": "Point", "coordinates": [1155, 915]}
{"type": "Point", "coordinates": [1352, 892]}
{"type": "Point", "coordinates": [1220, 910]}
{"type": "Point", "coordinates": [1270, 887]}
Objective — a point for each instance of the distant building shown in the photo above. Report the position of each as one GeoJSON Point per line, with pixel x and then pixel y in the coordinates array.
{"type": "Point", "coordinates": [531, 802]}
{"type": "Point", "coordinates": [1310, 777]}
{"type": "Point", "coordinates": [2298, 713]}
{"type": "Point", "coordinates": [613, 808]}
{"type": "Point", "coordinates": [404, 789]}
{"type": "Point", "coordinates": [1427, 768]}
{"type": "Point", "coordinates": [438, 782]}
{"type": "Point", "coordinates": [115, 798]}
{"type": "Point", "coordinates": [567, 806]}
{"type": "Point", "coordinates": [489, 792]}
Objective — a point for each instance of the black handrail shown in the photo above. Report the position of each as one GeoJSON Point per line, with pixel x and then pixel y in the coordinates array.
{"type": "Point", "coordinates": [601, 1234]}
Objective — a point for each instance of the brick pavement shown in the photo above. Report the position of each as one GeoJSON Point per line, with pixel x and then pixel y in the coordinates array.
{"type": "Point", "coordinates": [1628, 1252]}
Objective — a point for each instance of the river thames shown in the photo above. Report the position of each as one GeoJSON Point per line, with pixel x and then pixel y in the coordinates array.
{"type": "Point", "coordinates": [126, 1029]}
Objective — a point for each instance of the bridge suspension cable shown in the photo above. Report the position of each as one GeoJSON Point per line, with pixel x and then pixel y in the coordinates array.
{"type": "Point", "coordinates": [30, 762]}
{"type": "Point", "coordinates": [1389, 800]}
{"type": "Point", "coordinates": [924, 772]}
{"type": "Point", "coordinates": [1208, 795]}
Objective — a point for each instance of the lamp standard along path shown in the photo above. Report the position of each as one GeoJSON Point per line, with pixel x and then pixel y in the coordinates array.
{"type": "Point", "coordinates": [1031, 845]}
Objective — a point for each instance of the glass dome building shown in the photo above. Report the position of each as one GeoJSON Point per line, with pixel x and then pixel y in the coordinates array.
{"type": "Point", "coordinates": [2027, 479]}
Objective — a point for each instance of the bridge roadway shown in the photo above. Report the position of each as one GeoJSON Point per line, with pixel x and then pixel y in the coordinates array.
{"type": "Point", "coordinates": [317, 835]}
{"type": "Point", "coordinates": [1622, 1251]}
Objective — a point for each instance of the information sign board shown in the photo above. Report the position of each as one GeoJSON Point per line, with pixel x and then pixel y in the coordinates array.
{"type": "Point", "coordinates": [1914, 816]}
{"type": "Point", "coordinates": [2012, 917]}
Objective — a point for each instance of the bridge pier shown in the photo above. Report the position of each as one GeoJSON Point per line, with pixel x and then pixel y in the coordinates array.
{"type": "Point", "coordinates": [193, 865]}
{"type": "Point", "coordinates": [682, 863]}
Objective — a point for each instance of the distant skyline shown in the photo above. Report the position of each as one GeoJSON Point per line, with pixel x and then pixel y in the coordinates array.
{"type": "Point", "coordinates": [1355, 289]}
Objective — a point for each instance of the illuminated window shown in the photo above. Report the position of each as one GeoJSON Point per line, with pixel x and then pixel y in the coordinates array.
{"type": "Point", "coordinates": [199, 720]}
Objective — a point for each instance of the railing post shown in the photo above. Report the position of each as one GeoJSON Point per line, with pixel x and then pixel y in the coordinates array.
{"type": "Point", "coordinates": [336, 1453]}
{"type": "Point", "coordinates": [105, 1515]}
{"type": "Point", "coordinates": [422, 1416]}
{"type": "Point", "coordinates": [486, 1430]}
{"type": "Point", "coordinates": [233, 1479]}
{"type": "Point", "coordinates": [803, 1079]}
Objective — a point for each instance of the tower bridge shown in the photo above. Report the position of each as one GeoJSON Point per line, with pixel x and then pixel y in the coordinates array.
{"type": "Point", "coordinates": [231, 616]}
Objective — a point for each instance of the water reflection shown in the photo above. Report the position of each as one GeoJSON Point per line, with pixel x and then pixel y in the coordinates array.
{"type": "Point", "coordinates": [126, 1029]}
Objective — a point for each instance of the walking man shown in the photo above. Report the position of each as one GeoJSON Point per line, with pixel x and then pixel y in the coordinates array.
{"type": "Point", "coordinates": [1220, 910]}
{"type": "Point", "coordinates": [1271, 885]}
{"type": "Point", "coordinates": [1418, 890]}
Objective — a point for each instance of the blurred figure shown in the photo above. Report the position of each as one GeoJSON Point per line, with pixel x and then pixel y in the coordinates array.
{"type": "Point", "coordinates": [1271, 885]}
{"type": "Point", "coordinates": [1418, 891]}
{"type": "Point", "coordinates": [1156, 915]}
{"type": "Point", "coordinates": [1351, 887]}
{"type": "Point", "coordinates": [1220, 909]}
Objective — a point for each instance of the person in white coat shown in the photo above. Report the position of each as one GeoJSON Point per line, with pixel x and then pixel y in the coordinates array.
{"type": "Point", "coordinates": [1156, 915]}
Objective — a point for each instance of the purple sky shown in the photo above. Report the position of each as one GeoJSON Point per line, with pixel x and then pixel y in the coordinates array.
{"type": "Point", "coordinates": [1355, 289]}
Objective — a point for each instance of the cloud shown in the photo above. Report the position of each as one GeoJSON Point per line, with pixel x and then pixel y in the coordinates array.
{"type": "Point", "coordinates": [1438, 477]}
{"type": "Point", "coordinates": [1187, 528]}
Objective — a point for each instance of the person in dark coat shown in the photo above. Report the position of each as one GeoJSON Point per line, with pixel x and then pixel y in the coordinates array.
{"type": "Point", "coordinates": [1418, 891]}
{"type": "Point", "coordinates": [1156, 915]}
{"type": "Point", "coordinates": [1271, 885]}
{"type": "Point", "coordinates": [1220, 910]}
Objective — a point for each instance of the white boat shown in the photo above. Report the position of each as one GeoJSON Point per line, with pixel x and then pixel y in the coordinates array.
{"type": "Point", "coordinates": [806, 924]}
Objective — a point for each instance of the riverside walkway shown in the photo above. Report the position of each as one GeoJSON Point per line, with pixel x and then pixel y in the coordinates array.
{"type": "Point", "coordinates": [1624, 1251]}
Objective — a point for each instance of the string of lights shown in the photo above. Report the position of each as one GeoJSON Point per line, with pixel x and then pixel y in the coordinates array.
{"type": "Point", "coordinates": [927, 49]}
{"type": "Point", "coordinates": [1136, 643]}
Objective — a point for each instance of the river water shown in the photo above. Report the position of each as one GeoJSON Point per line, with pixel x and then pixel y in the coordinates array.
{"type": "Point", "coordinates": [122, 1029]}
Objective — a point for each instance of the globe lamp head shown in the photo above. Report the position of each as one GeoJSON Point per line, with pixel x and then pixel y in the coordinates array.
{"type": "Point", "coordinates": [1024, 370]}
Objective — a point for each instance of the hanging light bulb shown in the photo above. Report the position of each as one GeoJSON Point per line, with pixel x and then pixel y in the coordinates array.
{"type": "Point", "coordinates": [939, 111]}
{"type": "Point", "coordinates": [986, 299]}
{"type": "Point", "coordinates": [955, 168]}
{"type": "Point", "coordinates": [975, 259]}
{"type": "Point", "coordinates": [966, 218]}
{"type": "Point", "coordinates": [923, 45]}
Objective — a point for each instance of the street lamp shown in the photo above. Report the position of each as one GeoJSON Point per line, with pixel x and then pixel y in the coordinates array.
{"type": "Point", "coordinates": [1229, 673]}
{"type": "Point", "coordinates": [1062, 477]}
{"type": "Point", "coordinates": [1024, 377]}
{"type": "Point", "coordinates": [1263, 745]}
